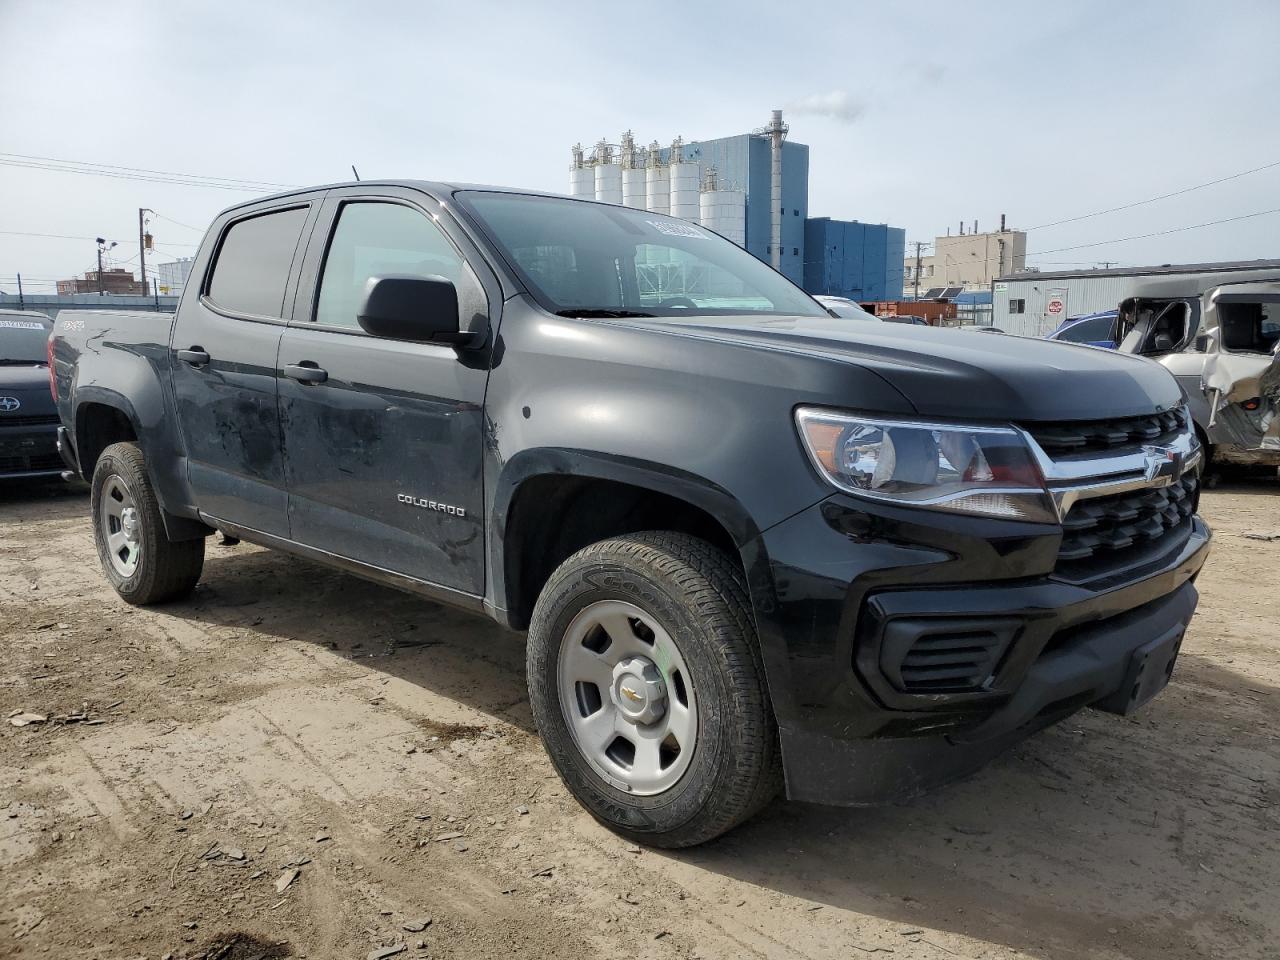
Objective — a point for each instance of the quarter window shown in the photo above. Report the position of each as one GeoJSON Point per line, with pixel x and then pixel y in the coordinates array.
{"type": "Point", "coordinates": [379, 239]}
{"type": "Point", "coordinates": [253, 263]}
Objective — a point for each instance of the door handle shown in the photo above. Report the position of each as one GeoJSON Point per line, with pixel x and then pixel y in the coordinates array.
{"type": "Point", "coordinates": [196, 356]}
{"type": "Point", "coordinates": [305, 372]}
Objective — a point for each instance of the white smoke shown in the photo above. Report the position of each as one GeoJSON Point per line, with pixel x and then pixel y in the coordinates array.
{"type": "Point", "coordinates": [838, 105]}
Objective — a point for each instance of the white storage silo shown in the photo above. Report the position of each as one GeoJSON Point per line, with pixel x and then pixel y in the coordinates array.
{"type": "Point", "coordinates": [634, 187]}
{"type": "Point", "coordinates": [582, 182]}
{"type": "Point", "coordinates": [582, 179]}
{"type": "Point", "coordinates": [608, 183]}
{"type": "Point", "coordinates": [725, 212]}
{"type": "Point", "coordinates": [657, 185]}
{"type": "Point", "coordinates": [684, 191]}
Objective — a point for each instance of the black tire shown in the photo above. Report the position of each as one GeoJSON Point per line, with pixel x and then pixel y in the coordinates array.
{"type": "Point", "coordinates": [165, 569]}
{"type": "Point", "coordinates": [695, 592]}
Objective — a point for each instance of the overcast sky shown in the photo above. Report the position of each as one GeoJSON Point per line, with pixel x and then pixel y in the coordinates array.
{"type": "Point", "coordinates": [919, 116]}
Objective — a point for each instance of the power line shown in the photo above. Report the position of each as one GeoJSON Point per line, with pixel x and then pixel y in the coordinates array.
{"type": "Point", "coordinates": [178, 222]}
{"type": "Point", "coordinates": [1161, 233]}
{"type": "Point", "coordinates": [87, 166]}
{"type": "Point", "coordinates": [1138, 203]}
{"type": "Point", "coordinates": [1141, 236]}
{"type": "Point", "coordinates": [63, 236]}
{"type": "Point", "coordinates": [1163, 196]}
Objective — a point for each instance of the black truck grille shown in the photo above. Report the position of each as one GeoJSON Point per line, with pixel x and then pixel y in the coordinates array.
{"type": "Point", "coordinates": [30, 421]}
{"type": "Point", "coordinates": [1086, 436]}
{"type": "Point", "coordinates": [1105, 534]}
{"type": "Point", "coordinates": [39, 462]}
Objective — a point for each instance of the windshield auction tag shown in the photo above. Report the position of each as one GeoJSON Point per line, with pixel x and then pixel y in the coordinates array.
{"type": "Point", "coordinates": [21, 325]}
{"type": "Point", "coordinates": [673, 228]}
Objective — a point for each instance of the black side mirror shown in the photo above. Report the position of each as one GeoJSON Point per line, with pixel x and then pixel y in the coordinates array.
{"type": "Point", "coordinates": [418, 309]}
{"type": "Point", "coordinates": [1202, 343]}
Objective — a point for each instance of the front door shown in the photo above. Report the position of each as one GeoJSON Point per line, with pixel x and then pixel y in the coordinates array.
{"type": "Point", "coordinates": [223, 363]}
{"type": "Point", "coordinates": [383, 439]}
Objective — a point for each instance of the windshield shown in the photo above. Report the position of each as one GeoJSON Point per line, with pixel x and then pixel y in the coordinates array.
{"type": "Point", "coordinates": [591, 259]}
{"type": "Point", "coordinates": [23, 341]}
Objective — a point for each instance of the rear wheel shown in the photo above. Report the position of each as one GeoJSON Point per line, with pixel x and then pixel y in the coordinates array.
{"type": "Point", "coordinates": [648, 690]}
{"type": "Point", "coordinates": [141, 562]}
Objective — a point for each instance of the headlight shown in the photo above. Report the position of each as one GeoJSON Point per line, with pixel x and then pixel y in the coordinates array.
{"type": "Point", "coordinates": [964, 469]}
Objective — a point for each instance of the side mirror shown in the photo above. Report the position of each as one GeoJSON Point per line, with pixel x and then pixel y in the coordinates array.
{"type": "Point", "coordinates": [1202, 343]}
{"type": "Point", "coordinates": [418, 309]}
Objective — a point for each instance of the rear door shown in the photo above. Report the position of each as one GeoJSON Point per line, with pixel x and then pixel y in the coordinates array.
{"type": "Point", "coordinates": [383, 445]}
{"type": "Point", "coordinates": [224, 349]}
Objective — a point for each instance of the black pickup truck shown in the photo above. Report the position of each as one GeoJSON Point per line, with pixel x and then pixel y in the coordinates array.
{"type": "Point", "coordinates": [749, 540]}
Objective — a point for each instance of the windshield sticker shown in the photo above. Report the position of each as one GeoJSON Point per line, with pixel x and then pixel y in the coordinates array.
{"type": "Point", "coordinates": [673, 228]}
{"type": "Point", "coordinates": [21, 325]}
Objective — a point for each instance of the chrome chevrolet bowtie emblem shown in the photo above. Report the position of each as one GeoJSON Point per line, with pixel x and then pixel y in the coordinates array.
{"type": "Point", "coordinates": [1161, 462]}
{"type": "Point", "coordinates": [9, 404]}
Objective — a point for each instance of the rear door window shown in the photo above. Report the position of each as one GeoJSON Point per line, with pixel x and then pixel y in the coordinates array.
{"type": "Point", "coordinates": [252, 268]}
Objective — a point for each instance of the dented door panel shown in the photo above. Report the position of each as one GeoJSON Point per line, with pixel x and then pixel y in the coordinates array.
{"type": "Point", "coordinates": [1242, 372]}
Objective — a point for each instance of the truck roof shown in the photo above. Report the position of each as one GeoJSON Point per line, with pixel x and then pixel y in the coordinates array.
{"type": "Point", "coordinates": [437, 188]}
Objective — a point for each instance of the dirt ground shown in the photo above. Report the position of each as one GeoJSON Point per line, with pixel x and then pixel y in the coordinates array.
{"type": "Point", "coordinates": [288, 718]}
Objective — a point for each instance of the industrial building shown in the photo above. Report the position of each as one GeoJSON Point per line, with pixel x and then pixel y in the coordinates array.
{"type": "Point", "coordinates": [970, 260]}
{"type": "Point", "coordinates": [1032, 304]}
{"type": "Point", "coordinates": [172, 277]}
{"type": "Point", "coordinates": [753, 189]}
{"type": "Point", "coordinates": [116, 280]}
{"type": "Point", "coordinates": [851, 259]}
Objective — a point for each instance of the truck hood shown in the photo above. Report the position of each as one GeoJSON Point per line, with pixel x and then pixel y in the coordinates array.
{"type": "Point", "coordinates": [955, 373]}
{"type": "Point", "coordinates": [29, 385]}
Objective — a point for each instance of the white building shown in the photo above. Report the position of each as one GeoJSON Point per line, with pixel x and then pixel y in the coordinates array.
{"type": "Point", "coordinates": [171, 278]}
{"type": "Point", "coordinates": [1033, 304]}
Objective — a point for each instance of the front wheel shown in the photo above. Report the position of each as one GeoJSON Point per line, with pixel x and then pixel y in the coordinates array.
{"type": "Point", "coordinates": [648, 690]}
{"type": "Point", "coordinates": [138, 558]}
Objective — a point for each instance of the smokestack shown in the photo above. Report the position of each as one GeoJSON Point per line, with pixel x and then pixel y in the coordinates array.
{"type": "Point", "coordinates": [776, 132]}
{"type": "Point", "coordinates": [975, 226]}
{"type": "Point", "coordinates": [1002, 223]}
{"type": "Point", "coordinates": [962, 228]}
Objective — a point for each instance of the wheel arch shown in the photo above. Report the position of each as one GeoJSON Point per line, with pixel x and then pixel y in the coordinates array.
{"type": "Point", "coordinates": [103, 417]}
{"type": "Point", "coordinates": [549, 503]}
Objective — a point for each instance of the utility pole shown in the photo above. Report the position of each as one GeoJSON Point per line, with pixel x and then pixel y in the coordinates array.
{"type": "Point", "coordinates": [22, 303]}
{"type": "Point", "coordinates": [102, 245]}
{"type": "Point", "coordinates": [917, 291]}
{"type": "Point", "coordinates": [142, 246]}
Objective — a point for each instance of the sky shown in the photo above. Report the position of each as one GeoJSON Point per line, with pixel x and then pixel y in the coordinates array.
{"type": "Point", "coordinates": [919, 115]}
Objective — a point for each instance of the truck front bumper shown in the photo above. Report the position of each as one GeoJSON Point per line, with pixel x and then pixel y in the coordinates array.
{"type": "Point", "coordinates": [904, 649]}
{"type": "Point", "coordinates": [28, 452]}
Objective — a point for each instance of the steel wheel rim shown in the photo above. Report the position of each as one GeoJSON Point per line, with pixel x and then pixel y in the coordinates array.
{"type": "Point", "coordinates": [121, 525]}
{"type": "Point", "coordinates": [627, 697]}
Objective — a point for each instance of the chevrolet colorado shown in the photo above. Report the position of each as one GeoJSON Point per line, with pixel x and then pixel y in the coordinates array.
{"type": "Point", "coordinates": [751, 542]}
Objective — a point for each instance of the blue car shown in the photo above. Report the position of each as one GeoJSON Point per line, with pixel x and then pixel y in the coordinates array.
{"type": "Point", "coordinates": [1093, 329]}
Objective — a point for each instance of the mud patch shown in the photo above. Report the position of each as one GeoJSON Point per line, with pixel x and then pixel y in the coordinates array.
{"type": "Point", "coordinates": [451, 732]}
{"type": "Point", "coordinates": [241, 946]}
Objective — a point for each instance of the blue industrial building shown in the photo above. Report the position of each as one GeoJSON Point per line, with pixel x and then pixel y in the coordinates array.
{"type": "Point", "coordinates": [842, 258]}
{"type": "Point", "coordinates": [861, 261]}
{"type": "Point", "coordinates": [743, 163]}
